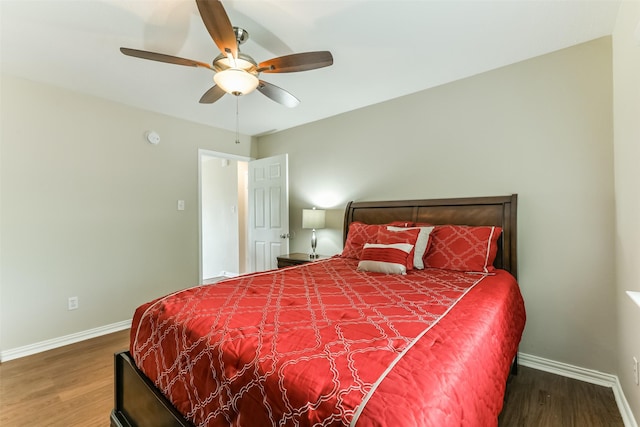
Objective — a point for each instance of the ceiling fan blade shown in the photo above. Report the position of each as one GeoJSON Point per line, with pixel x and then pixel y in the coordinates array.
{"type": "Point", "coordinates": [212, 95]}
{"type": "Point", "coordinates": [217, 21]}
{"type": "Point", "coordinates": [297, 62]}
{"type": "Point", "coordinates": [278, 94]}
{"type": "Point", "coordinates": [161, 57]}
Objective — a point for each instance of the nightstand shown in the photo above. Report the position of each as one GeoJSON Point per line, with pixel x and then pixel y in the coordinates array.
{"type": "Point", "coordinates": [287, 260]}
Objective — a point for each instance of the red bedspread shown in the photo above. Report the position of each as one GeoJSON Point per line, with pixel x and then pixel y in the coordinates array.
{"type": "Point", "coordinates": [323, 344]}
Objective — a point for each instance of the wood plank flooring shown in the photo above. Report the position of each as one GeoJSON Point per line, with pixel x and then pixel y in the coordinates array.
{"type": "Point", "coordinates": [540, 399]}
{"type": "Point", "coordinates": [69, 386]}
{"type": "Point", "coordinates": [73, 386]}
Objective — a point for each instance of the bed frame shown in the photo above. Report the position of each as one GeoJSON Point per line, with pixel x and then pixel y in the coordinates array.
{"type": "Point", "coordinates": [139, 404]}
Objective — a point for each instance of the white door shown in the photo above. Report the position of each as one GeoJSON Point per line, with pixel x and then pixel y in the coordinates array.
{"type": "Point", "coordinates": [268, 211]}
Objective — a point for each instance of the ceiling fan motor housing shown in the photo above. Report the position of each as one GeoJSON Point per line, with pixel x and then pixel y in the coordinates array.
{"type": "Point", "coordinates": [244, 62]}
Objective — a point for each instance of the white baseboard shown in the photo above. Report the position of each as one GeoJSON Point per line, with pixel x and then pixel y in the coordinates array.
{"type": "Point", "coordinates": [229, 274]}
{"type": "Point", "coordinates": [38, 347]}
{"type": "Point", "coordinates": [586, 375]}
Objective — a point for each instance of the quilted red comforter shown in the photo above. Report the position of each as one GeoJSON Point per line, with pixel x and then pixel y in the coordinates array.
{"type": "Point", "coordinates": [324, 344]}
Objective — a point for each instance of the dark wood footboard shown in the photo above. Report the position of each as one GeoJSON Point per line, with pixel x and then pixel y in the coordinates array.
{"type": "Point", "coordinates": [137, 402]}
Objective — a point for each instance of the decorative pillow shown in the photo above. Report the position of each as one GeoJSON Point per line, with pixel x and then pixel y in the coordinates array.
{"type": "Point", "coordinates": [387, 236]}
{"type": "Point", "coordinates": [463, 248]}
{"type": "Point", "coordinates": [389, 259]}
{"type": "Point", "coordinates": [359, 234]}
{"type": "Point", "coordinates": [421, 244]}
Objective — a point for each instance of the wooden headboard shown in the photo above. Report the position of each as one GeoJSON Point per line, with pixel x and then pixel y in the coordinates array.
{"type": "Point", "coordinates": [499, 211]}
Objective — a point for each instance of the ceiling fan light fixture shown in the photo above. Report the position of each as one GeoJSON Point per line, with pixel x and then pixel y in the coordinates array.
{"type": "Point", "coordinates": [236, 81]}
{"type": "Point", "coordinates": [235, 72]}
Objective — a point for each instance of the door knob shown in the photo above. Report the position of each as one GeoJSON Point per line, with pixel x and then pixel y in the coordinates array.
{"type": "Point", "coordinates": [285, 236]}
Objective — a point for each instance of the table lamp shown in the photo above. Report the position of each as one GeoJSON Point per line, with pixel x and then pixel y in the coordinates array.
{"type": "Point", "coordinates": [313, 219]}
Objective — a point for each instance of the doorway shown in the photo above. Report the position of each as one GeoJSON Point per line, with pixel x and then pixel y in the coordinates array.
{"type": "Point", "coordinates": [223, 199]}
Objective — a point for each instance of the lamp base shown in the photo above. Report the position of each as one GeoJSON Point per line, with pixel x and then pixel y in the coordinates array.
{"type": "Point", "coordinates": [314, 241]}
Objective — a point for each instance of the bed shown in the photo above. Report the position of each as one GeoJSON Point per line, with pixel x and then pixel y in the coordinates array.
{"type": "Point", "coordinates": [334, 342]}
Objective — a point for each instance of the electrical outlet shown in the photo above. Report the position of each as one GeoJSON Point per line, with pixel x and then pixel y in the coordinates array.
{"type": "Point", "coordinates": [73, 303]}
{"type": "Point", "coordinates": [636, 373]}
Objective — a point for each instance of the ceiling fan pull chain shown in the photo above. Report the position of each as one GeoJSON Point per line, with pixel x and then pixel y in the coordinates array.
{"type": "Point", "coordinates": [237, 122]}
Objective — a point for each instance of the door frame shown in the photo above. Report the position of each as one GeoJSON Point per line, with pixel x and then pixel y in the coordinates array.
{"type": "Point", "coordinates": [209, 153]}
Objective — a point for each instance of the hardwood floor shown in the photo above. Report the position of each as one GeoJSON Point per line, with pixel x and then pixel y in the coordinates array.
{"type": "Point", "coordinates": [73, 386]}
{"type": "Point", "coordinates": [68, 386]}
{"type": "Point", "coordinates": [540, 399]}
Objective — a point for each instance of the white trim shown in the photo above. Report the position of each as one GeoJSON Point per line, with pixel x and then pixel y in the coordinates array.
{"type": "Point", "coordinates": [220, 154]}
{"type": "Point", "coordinates": [586, 375]}
{"type": "Point", "coordinates": [623, 405]}
{"type": "Point", "coordinates": [566, 370]}
{"type": "Point", "coordinates": [28, 350]}
{"type": "Point", "coordinates": [229, 274]}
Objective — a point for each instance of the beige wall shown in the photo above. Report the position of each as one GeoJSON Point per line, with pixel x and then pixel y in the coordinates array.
{"type": "Point", "coordinates": [88, 209]}
{"type": "Point", "coordinates": [540, 128]}
{"type": "Point", "coordinates": [626, 83]}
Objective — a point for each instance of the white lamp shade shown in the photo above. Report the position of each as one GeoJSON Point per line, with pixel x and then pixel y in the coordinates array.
{"type": "Point", "coordinates": [236, 81]}
{"type": "Point", "coordinates": [313, 218]}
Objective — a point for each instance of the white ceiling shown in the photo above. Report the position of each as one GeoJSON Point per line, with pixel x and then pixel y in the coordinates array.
{"type": "Point", "coordinates": [382, 49]}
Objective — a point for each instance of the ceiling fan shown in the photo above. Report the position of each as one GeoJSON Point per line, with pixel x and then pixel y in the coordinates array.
{"type": "Point", "coordinates": [237, 73]}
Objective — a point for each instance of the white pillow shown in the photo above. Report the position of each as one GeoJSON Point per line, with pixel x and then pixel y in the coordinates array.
{"type": "Point", "coordinates": [421, 244]}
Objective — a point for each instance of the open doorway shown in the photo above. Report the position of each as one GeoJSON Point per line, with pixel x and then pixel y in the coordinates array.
{"type": "Point", "coordinates": [223, 214]}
